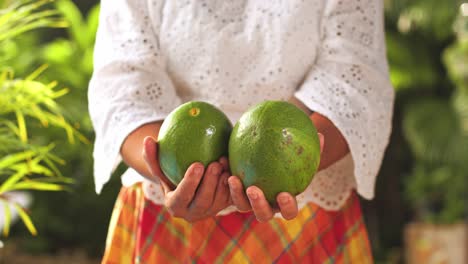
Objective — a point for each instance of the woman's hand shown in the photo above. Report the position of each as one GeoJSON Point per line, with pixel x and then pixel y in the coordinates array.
{"type": "Point", "coordinates": [202, 193]}
{"type": "Point", "coordinates": [254, 200]}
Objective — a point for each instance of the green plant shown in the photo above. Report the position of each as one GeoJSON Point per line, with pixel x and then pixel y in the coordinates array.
{"type": "Point", "coordinates": [436, 185]}
{"type": "Point", "coordinates": [77, 47]}
{"type": "Point", "coordinates": [24, 163]}
{"type": "Point", "coordinates": [437, 131]}
{"type": "Point", "coordinates": [418, 33]}
{"type": "Point", "coordinates": [83, 221]}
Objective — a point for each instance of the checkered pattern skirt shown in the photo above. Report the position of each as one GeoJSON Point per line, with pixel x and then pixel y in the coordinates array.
{"type": "Point", "coordinates": [143, 232]}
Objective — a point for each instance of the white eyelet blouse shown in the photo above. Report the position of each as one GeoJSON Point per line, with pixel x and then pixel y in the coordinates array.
{"type": "Point", "coordinates": [153, 55]}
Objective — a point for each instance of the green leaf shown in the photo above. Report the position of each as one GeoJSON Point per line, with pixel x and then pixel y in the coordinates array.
{"type": "Point", "coordinates": [73, 15]}
{"type": "Point", "coordinates": [87, 61]}
{"type": "Point", "coordinates": [60, 52]}
{"type": "Point", "coordinates": [38, 114]}
{"type": "Point", "coordinates": [12, 126]}
{"type": "Point", "coordinates": [36, 73]}
{"type": "Point", "coordinates": [57, 180]}
{"type": "Point", "coordinates": [44, 22]}
{"type": "Point", "coordinates": [11, 159]}
{"type": "Point", "coordinates": [455, 57]}
{"type": "Point", "coordinates": [26, 219]}
{"type": "Point", "coordinates": [22, 127]}
{"type": "Point", "coordinates": [7, 74]}
{"type": "Point", "coordinates": [92, 23]}
{"type": "Point", "coordinates": [6, 186]}
{"type": "Point", "coordinates": [35, 168]}
{"type": "Point", "coordinates": [53, 158]}
{"type": "Point", "coordinates": [49, 161]}
{"type": "Point", "coordinates": [9, 13]}
{"type": "Point", "coordinates": [36, 185]}
{"type": "Point", "coordinates": [7, 211]}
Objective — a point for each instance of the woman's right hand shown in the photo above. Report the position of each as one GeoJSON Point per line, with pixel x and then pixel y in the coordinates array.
{"type": "Point", "coordinates": [202, 193]}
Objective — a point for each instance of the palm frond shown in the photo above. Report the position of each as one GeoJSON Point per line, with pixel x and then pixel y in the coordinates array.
{"type": "Point", "coordinates": [23, 164]}
{"type": "Point", "coordinates": [22, 17]}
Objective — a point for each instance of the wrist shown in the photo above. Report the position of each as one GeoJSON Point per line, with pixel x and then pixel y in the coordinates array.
{"type": "Point", "coordinates": [335, 146]}
{"type": "Point", "coordinates": [132, 148]}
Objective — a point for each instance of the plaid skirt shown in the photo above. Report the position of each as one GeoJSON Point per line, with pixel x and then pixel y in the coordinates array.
{"type": "Point", "coordinates": [143, 232]}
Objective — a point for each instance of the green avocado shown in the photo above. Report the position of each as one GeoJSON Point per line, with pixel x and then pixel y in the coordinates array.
{"type": "Point", "coordinates": [274, 146]}
{"type": "Point", "coordinates": [193, 132]}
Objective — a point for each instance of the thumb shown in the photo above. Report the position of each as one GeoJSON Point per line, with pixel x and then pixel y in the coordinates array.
{"type": "Point", "coordinates": [150, 155]}
{"type": "Point", "coordinates": [322, 141]}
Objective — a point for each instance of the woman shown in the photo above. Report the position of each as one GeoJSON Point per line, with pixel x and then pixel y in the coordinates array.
{"type": "Point", "coordinates": [325, 56]}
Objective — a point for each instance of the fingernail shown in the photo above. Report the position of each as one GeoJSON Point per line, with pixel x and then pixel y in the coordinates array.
{"type": "Point", "coordinates": [284, 199]}
{"type": "Point", "coordinates": [215, 170]}
{"type": "Point", "coordinates": [198, 170]}
{"type": "Point", "coordinates": [252, 195]}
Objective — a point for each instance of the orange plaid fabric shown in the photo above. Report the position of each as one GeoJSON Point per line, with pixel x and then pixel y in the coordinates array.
{"type": "Point", "coordinates": [143, 232]}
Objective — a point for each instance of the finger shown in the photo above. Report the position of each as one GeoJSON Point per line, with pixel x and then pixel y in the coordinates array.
{"type": "Point", "coordinates": [182, 196]}
{"type": "Point", "coordinates": [322, 142]}
{"type": "Point", "coordinates": [238, 196]}
{"type": "Point", "coordinates": [224, 161]}
{"type": "Point", "coordinates": [287, 205]}
{"type": "Point", "coordinates": [204, 196]}
{"type": "Point", "coordinates": [150, 155]}
{"type": "Point", "coordinates": [260, 205]}
{"type": "Point", "coordinates": [221, 198]}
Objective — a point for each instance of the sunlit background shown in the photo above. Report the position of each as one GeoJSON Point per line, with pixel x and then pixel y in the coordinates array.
{"type": "Point", "coordinates": [50, 213]}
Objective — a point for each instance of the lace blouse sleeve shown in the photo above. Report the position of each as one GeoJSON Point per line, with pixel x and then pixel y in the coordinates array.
{"type": "Point", "coordinates": [349, 83]}
{"type": "Point", "coordinates": [129, 86]}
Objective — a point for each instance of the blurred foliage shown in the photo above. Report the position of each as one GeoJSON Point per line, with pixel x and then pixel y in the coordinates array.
{"type": "Point", "coordinates": [428, 148]}
{"type": "Point", "coordinates": [415, 35]}
{"type": "Point", "coordinates": [429, 71]}
{"type": "Point", "coordinates": [410, 66]}
{"type": "Point", "coordinates": [418, 16]}
{"type": "Point", "coordinates": [433, 129]}
{"type": "Point", "coordinates": [25, 164]}
{"type": "Point", "coordinates": [69, 56]}
{"type": "Point", "coordinates": [78, 218]}
{"type": "Point", "coordinates": [436, 131]}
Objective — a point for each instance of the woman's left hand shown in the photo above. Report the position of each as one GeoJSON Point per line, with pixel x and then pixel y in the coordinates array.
{"type": "Point", "coordinates": [254, 200]}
